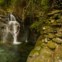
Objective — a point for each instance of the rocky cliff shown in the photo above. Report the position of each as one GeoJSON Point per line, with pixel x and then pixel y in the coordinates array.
{"type": "Point", "coordinates": [48, 47]}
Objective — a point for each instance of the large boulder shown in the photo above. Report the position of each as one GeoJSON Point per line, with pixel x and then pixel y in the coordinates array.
{"type": "Point", "coordinates": [48, 47]}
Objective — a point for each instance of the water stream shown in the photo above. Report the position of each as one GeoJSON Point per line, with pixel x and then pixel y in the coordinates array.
{"type": "Point", "coordinates": [20, 47]}
{"type": "Point", "coordinates": [13, 28]}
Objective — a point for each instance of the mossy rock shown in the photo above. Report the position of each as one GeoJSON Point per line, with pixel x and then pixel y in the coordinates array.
{"type": "Point", "coordinates": [40, 43]}
{"type": "Point", "coordinates": [3, 12]}
{"type": "Point", "coordinates": [47, 29]}
{"type": "Point", "coordinates": [44, 55]}
{"type": "Point", "coordinates": [50, 35]}
{"type": "Point", "coordinates": [58, 54]}
{"type": "Point", "coordinates": [34, 53]}
{"type": "Point", "coordinates": [54, 12]}
{"type": "Point", "coordinates": [59, 34]}
{"type": "Point", "coordinates": [57, 40]}
{"type": "Point", "coordinates": [51, 45]}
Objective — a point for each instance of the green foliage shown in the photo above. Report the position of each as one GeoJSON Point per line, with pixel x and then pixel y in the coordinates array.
{"type": "Point", "coordinates": [45, 4]}
{"type": "Point", "coordinates": [43, 8]}
{"type": "Point", "coordinates": [6, 3]}
{"type": "Point", "coordinates": [38, 25]}
{"type": "Point", "coordinates": [1, 1]}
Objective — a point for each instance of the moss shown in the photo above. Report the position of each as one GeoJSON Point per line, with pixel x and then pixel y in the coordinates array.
{"type": "Point", "coordinates": [50, 35]}
{"type": "Point", "coordinates": [40, 43]}
{"type": "Point", "coordinates": [51, 45]}
{"type": "Point", "coordinates": [1, 2]}
{"type": "Point", "coordinates": [44, 55]}
{"type": "Point", "coordinates": [58, 54]}
{"type": "Point", "coordinates": [57, 40]}
{"type": "Point", "coordinates": [34, 53]}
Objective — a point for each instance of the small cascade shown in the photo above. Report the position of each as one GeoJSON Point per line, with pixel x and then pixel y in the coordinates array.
{"type": "Point", "coordinates": [13, 28]}
{"type": "Point", "coordinates": [26, 36]}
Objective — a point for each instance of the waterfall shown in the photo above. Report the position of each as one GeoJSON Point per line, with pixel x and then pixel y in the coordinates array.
{"type": "Point", "coordinates": [13, 28]}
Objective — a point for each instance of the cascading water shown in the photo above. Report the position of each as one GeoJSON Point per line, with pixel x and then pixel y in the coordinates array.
{"type": "Point", "coordinates": [13, 28]}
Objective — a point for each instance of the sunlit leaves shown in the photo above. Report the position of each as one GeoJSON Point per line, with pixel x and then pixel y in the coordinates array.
{"type": "Point", "coordinates": [1, 2]}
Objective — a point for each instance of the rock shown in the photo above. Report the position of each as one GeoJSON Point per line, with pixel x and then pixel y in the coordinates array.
{"type": "Point", "coordinates": [50, 35]}
{"type": "Point", "coordinates": [58, 54]}
{"type": "Point", "coordinates": [59, 32]}
{"type": "Point", "coordinates": [44, 55]}
{"type": "Point", "coordinates": [51, 45]}
{"type": "Point", "coordinates": [59, 35]}
{"type": "Point", "coordinates": [54, 12]}
{"type": "Point", "coordinates": [57, 40]}
{"type": "Point", "coordinates": [2, 27]}
{"type": "Point", "coordinates": [47, 29]}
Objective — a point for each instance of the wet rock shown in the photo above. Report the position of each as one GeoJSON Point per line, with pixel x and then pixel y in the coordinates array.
{"type": "Point", "coordinates": [51, 45]}
{"type": "Point", "coordinates": [57, 40]}
{"type": "Point", "coordinates": [47, 29]}
{"type": "Point", "coordinates": [58, 54]}
{"type": "Point", "coordinates": [59, 32]}
{"type": "Point", "coordinates": [50, 35]}
{"type": "Point", "coordinates": [45, 54]}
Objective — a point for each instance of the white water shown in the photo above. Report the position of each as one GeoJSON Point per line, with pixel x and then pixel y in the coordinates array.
{"type": "Point", "coordinates": [13, 28]}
